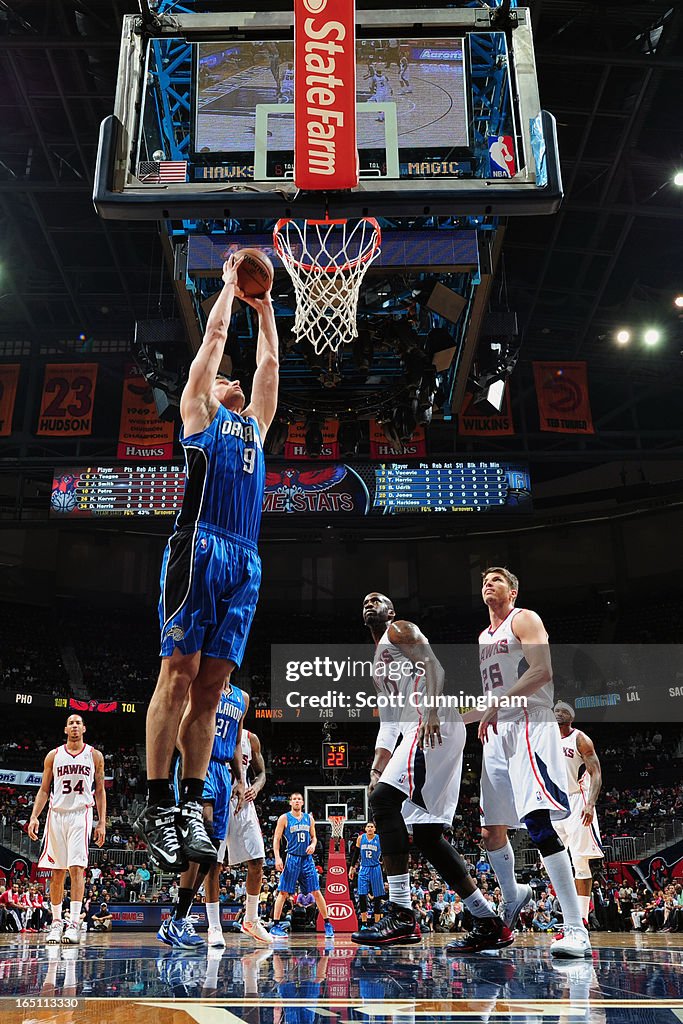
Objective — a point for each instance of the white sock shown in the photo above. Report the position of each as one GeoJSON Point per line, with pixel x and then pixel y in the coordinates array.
{"type": "Point", "coordinates": [399, 890]}
{"type": "Point", "coordinates": [503, 863]}
{"type": "Point", "coordinates": [76, 912]}
{"type": "Point", "coordinates": [56, 909]}
{"type": "Point", "coordinates": [251, 909]}
{"type": "Point", "coordinates": [478, 905]}
{"type": "Point", "coordinates": [213, 914]}
{"type": "Point", "coordinates": [559, 868]}
{"type": "Point", "coordinates": [585, 904]}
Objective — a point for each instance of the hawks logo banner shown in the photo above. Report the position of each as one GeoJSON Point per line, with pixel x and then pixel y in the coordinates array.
{"type": "Point", "coordinates": [295, 445]}
{"type": "Point", "coordinates": [103, 706]}
{"type": "Point", "coordinates": [9, 380]}
{"type": "Point", "coordinates": [142, 435]}
{"type": "Point", "coordinates": [66, 407]}
{"type": "Point", "coordinates": [563, 401]}
{"type": "Point", "coordinates": [380, 447]}
{"type": "Point", "coordinates": [472, 422]}
{"type": "Point", "coordinates": [325, 155]}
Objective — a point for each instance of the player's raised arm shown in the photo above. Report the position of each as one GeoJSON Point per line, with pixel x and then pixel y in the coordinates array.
{"type": "Point", "coordinates": [100, 798]}
{"type": "Point", "coordinates": [414, 644]}
{"type": "Point", "coordinates": [42, 796]}
{"type": "Point", "coordinates": [263, 403]}
{"type": "Point", "coordinates": [584, 745]}
{"type": "Point", "coordinates": [196, 401]}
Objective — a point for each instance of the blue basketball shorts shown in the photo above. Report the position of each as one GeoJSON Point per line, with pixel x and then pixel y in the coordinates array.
{"type": "Point", "coordinates": [370, 880]}
{"type": "Point", "coordinates": [299, 870]}
{"type": "Point", "coordinates": [217, 791]}
{"type": "Point", "coordinates": [209, 588]}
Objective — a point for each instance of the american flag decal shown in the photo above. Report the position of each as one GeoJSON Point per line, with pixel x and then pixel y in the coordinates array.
{"type": "Point", "coordinates": [154, 172]}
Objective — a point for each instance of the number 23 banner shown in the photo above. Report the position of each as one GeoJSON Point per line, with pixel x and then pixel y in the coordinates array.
{"type": "Point", "coordinates": [68, 398]}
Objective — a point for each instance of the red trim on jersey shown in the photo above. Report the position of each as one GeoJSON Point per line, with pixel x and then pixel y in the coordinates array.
{"type": "Point", "coordinates": [410, 761]}
{"type": "Point", "coordinates": [46, 833]}
{"type": "Point", "coordinates": [512, 610]}
{"type": "Point", "coordinates": [88, 829]}
{"type": "Point", "coordinates": [78, 754]}
{"type": "Point", "coordinates": [533, 765]}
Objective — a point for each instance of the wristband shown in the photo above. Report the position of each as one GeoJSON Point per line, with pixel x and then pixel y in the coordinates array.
{"type": "Point", "coordinates": [376, 771]}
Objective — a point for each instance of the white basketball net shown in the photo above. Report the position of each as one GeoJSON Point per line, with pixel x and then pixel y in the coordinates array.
{"type": "Point", "coordinates": [327, 261]}
{"type": "Point", "coordinates": [337, 823]}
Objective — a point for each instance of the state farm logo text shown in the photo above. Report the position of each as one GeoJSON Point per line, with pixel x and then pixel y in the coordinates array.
{"type": "Point", "coordinates": [323, 91]}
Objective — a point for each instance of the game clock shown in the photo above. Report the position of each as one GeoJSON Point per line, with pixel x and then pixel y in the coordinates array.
{"type": "Point", "coordinates": [335, 755]}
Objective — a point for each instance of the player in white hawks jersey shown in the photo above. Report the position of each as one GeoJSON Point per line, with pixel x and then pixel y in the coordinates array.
{"type": "Point", "coordinates": [417, 782]}
{"type": "Point", "coordinates": [73, 781]}
{"type": "Point", "coordinates": [244, 841]}
{"type": "Point", "coordinates": [523, 780]}
{"type": "Point", "coordinates": [580, 831]}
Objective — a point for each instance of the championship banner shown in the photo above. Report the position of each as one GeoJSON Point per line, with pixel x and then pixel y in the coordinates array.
{"type": "Point", "coordinates": [295, 445]}
{"type": "Point", "coordinates": [66, 406]}
{"type": "Point", "coordinates": [380, 448]}
{"type": "Point", "coordinates": [473, 422]}
{"type": "Point", "coordinates": [325, 154]}
{"type": "Point", "coordinates": [563, 400]}
{"type": "Point", "coordinates": [9, 380]}
{"type": "Point", "coordinates": [142, 435]}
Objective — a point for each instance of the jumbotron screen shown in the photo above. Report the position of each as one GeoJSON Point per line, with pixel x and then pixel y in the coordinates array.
{"type": "Point", "coordinates": [332, 489]}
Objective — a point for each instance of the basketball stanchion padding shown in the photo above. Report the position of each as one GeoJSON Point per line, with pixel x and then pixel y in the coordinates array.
{"type": "Point", "coordinates": [327, 261]}
{"type": "Point", "coordinates": [337, 889]}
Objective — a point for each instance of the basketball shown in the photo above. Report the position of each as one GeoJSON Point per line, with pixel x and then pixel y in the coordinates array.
{"type": "Point", "coordinates": [255, 272]}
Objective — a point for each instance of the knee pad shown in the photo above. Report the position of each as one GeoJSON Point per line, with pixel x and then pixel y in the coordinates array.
{"type": "Point", "coordinates": [542, 834]}
{"type": "Point", "coordinates": [445, 858]}
{"type": "Point", "coordinates": [363, 904]}
{"type": "Point", "coordinates": [385, 804]}
{"type": "Point", "coordinates": [582, 867]}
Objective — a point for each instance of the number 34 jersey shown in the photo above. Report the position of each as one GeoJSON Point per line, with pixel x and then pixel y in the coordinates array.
{"type": "Point", "coordinates": [502, 662]}
{"type": "Point", "coordinates": [73, 779]}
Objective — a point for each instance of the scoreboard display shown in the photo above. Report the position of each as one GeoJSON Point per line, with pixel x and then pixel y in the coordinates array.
{"type": "Point", "coordinates": [335, 755]}
{"type": "Point", "coordinates": [330, 488]}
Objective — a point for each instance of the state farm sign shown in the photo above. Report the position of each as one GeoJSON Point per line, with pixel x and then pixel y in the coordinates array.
{"type": "Point", "coordinates": [325, 154]}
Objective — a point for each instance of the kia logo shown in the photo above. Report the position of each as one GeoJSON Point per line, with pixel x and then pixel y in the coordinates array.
{"type": "Point", "coordinates": [336, 870]}
{"type": "Point", "coordinates": [315, 6]}
{"type": "Point", "coordinates": [339, 911]}
{"type": "Point", "coordinates": [336, 888]}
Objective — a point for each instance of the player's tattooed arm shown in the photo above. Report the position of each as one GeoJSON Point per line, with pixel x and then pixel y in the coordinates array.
{"type": "Point", "coordinates": [100, 799]}
{"type": "Point", "coordinates": [238, 788]}
{"type": "Point", "coordinates": [259, 766]}
{"type": "Point", "coordinates": [584, 745]}
{"type": "Point", "coordinates": [42, 796]}
{"type": "Point", "coordinates": [414, 644]}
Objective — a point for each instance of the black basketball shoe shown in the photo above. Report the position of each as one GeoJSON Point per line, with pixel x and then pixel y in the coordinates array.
{"type": "Point", "coordinates": [158, 826]}
{"type": "Point", "coordinates": [195, 841]}
{"type": "Point", "coordinates": [487, 933]}
{"type": "Point", "coordinates": [397, 926]}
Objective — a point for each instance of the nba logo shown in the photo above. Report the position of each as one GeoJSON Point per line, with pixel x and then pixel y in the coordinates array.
{"type": "Point", "coordinates": [501, 156]}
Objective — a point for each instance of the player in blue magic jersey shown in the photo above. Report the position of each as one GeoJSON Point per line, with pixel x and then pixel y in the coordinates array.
{"type": "Point", "coordinates": [297, 828]}
{"type": "Point", "coordinates": [370, 878]}
{"type": "Point", "coordinates": [210, 575]}
{"type": "Point", "coordinates": [225, 763]}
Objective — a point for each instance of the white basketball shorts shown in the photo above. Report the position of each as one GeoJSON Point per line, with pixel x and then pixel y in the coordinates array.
{"type": "Point", "coordinates": [429, 777]}
{"type": "Point", "coordinates": [66, 838]}
{"type": "Point", "coordinates": [523, 770]}
{"type": "Point", "coordinates": [244, 840]}
{"type": "Point", "coordinates": [581, 840]}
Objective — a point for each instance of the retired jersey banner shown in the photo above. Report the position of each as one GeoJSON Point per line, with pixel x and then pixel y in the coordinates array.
{"type": "Point", "coordinates": [325, 154]}
{"type": "Point", "coordinates": [380, 447]}
{"type": "Point", "coordinates": [474, 422]}
{"type": "Point", "coordinates": [563, 400]}
{"type": "Point", "coordinates": [66, 407]}
{"type": "Point", "coordinates": [142, 435]}
{"type": "Point", "coordinates": [295, 445]}
{"type": "Point", "coordinates": [9, 380]}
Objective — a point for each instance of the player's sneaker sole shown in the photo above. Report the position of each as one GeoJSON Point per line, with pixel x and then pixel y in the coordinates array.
{"type": "Point", "coordinates": [256, 931]}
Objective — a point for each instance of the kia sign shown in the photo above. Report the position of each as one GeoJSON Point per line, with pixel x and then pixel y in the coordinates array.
{"type": "Point", "coordinates": [335, 869]}
{"type": "Point", "coordinates": [339, 911]}
{"type": "Point", "coordinates": [337, 888]}
{"type": "Point", "coordinates": [325, 155]}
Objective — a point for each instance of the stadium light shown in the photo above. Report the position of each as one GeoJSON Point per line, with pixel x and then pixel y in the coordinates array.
{"type": "Point", "coordinates": [678, 302]}
{"type": "Point", "coordinates": [623, 336]}
{"type": "Point", "coordinates": [678, 179]}
{"type": "Point", "coordinates": [651, 336]}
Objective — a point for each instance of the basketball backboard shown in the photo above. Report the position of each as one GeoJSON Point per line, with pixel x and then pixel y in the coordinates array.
{"type": "Point", "coordinates": [448, 120]}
